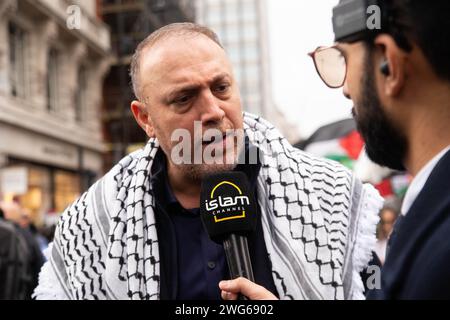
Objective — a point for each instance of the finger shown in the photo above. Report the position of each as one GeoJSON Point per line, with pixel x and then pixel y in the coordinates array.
{"type": "Point", "coordinates": [247, 288]}
{"type": "Point", "coordinates": [226, 295]}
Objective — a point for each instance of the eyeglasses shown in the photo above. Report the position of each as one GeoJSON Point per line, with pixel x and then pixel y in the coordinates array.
{"type": "Point", "coordinates": [331, 65]}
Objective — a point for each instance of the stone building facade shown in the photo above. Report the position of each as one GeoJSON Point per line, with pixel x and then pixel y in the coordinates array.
{"type": "Point", "coordinates": [54, 55]}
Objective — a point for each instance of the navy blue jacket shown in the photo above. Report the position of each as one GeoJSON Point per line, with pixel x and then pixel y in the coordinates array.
{"type": "Point", "coordinates": [418, 262]}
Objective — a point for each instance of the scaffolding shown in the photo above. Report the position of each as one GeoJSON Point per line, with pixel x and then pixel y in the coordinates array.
{"type": "Point", "coordinates": [130, 22]}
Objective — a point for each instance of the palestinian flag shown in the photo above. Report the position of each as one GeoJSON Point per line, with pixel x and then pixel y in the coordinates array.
{"type": "Point", "coordinates": [339, 141]}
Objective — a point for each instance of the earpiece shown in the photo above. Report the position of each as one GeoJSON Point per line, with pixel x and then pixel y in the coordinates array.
{"type": "Point", "coordinates": [384, 68]}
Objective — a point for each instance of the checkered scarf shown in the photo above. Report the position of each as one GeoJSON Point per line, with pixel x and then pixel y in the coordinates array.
{"type": "Point", "coordinates": [318, 224]}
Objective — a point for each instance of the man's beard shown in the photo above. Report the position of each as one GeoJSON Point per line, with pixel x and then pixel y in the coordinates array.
{"type": "Point", "coordinates": [206, 156]}
{"type": "Point", "coordinates": [386, 145]}
{"type": "Point", "coordinates": [198, 172]}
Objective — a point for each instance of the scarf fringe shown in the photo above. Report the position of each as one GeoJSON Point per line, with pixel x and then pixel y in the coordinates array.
{"type": "Point", "coordinates": [366, 238]}
{"type": "Point", "coordinates": [49, 287]}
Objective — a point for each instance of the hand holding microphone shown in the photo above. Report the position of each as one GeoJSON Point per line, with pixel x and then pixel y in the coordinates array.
{"type": "Point", "coordinates": [232, 288]}
{"type": "Point", "coordinates": [228, 212]}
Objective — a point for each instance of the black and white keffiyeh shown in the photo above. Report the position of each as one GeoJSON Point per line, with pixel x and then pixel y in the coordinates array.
{"type": "Point", "coordinates": [318, 223]}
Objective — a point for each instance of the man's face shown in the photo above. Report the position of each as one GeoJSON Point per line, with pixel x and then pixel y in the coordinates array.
{"type": "Point", "coordinates": [385, 143]}
{"type": "Point", "coordinates": [187, 79]}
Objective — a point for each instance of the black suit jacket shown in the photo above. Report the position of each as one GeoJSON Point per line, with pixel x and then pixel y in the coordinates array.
{"type": "Point", "coordinates": [418, 262]}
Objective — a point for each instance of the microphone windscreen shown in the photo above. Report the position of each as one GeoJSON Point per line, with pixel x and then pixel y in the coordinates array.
{"type": "Point", "coordinates": [227, 205]}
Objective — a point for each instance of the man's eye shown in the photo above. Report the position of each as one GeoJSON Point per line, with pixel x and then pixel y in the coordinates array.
{"type": "Point", "coordinates": [222, 88]}
{"type": "Point", "coordinates": [182, 100]}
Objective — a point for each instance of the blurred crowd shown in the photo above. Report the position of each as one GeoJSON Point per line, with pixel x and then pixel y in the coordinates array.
{"type": "Point", "coordinates": [22, 247]}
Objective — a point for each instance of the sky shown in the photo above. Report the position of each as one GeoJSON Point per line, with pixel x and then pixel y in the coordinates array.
{"type": "Point", "coordinates": [297, 27]}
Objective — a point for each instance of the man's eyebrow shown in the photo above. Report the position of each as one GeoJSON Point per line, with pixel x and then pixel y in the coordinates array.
{"type": "Point", "coordinates": [219, 77]}
{"type": "Point", "coordinates": [194, 87]}
{"type": "Point", "coordinates": [181, 89]}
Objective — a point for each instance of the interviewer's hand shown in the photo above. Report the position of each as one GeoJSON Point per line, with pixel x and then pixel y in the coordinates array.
{"type": "Point", "coordinates": [231, 289]}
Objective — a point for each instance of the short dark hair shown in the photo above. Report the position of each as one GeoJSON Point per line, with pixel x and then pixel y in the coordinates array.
{"type": "Point", "coordinates": [425, 23]}
{"type": "Point", "coordinates": [174, 29]}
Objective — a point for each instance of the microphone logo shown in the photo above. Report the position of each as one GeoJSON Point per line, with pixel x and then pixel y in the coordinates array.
{"type": "Point", "coordinates": [229, 207]}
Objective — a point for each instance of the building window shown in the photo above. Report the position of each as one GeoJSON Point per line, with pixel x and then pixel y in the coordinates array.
{"type": "Point", "coordinates": [81, 94]}
{"type": "Point", "coordinates": [52, 80]}
{"type": "Point", "coordinates": [46, 189]}
{"type": "Point", "coordinates": [67, 189]}
{"type": "Point", "coordinates": [250, 32]}
{"type": "Point", "coordinates": [248, 10]}
{"type": "Point", "coordinates": [232, 11]}
{"type": "Point", "coordinates": [17, 61]}
{"type": "Point", "coordinates": [234, 32]}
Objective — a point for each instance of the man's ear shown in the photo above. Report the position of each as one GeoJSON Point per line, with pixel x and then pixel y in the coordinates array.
{"type": "Point", "coordinates": [392, 64]}
{"type": "Point", "coordinates": [143, 118]}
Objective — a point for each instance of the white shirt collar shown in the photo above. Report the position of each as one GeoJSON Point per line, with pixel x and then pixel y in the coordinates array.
{"type": "Point", "coordinates": [419, 181]}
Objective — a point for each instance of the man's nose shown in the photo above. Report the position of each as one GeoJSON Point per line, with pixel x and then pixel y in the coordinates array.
{"type": "Point", "coordinates": [211, 111]}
